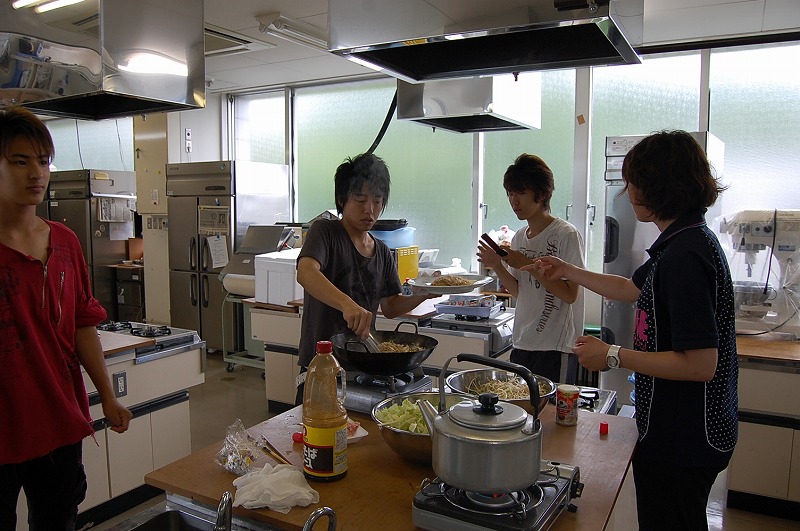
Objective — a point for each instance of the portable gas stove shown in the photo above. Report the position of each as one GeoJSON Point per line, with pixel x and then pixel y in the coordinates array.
{"type": "Point", "coordinates": [166, 338]}
{"type": "Point", "coordinates": [438, 506]}
{"type": "Point", "coordinates": [364, 390]}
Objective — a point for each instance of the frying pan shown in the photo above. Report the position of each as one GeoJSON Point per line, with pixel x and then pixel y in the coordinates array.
{"type": "Point", "coordinates": [350, 350]}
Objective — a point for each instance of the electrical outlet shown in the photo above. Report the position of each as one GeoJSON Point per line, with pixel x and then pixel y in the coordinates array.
{"type": "Point", "coordinates": [120, 382]}
{"type": "Point", "coordinates": [149, 222]}
{"type": "Point", "coordinates": [188, 133]}
{"type": "Point", "coordinates": [188, 146]}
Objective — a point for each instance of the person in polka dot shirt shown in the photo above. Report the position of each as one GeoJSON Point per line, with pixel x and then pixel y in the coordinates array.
{"type": "Point", "coordinates": [684, 353]}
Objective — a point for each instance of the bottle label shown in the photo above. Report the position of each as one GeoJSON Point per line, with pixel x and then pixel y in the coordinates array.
{"type": "Point", "coordinates": [325, 451]}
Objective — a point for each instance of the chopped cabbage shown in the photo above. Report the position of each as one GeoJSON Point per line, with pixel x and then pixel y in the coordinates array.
{"type": "Point", "coordinates": [406, 416]}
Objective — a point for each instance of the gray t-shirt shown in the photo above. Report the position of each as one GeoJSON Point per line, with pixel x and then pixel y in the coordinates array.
{"type": "Point", "coordinates": [366, 280]}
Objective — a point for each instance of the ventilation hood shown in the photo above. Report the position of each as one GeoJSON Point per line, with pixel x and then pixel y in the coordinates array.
{"type": "Point", "coordinates": [490, 103]}
{"type": "Point", "coordinates": [423, 40]}
{"type": "Point", "coordinates": [103, 58]}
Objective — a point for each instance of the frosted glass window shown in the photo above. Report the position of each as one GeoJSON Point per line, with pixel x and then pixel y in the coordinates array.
{"type": "Point", "coordinates": [553, 143]}
{"type": "Point", "coordinates": [431, 170]}
{"type": "Point", "coordinates": [755, 95]}
{"type": "Point", "coordinates": [661, 93]}
{"type": "Point", "coordinates": [260, 128]}
{"type": "Point", "coordinates": [103, 145]}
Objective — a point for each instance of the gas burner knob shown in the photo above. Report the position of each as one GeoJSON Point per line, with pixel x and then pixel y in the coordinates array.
{"type": "Point", "coordinates": [572, 508]}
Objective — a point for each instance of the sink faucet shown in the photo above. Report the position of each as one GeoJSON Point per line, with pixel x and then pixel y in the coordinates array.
{"type": "Point", "coordinates": [316, 514]}
{"type": "Point", "coordinates": [224, 512]}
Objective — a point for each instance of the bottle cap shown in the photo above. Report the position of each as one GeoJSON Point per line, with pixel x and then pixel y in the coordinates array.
{"type": "Point", "coordinates": [604, 428]}
{"type": "Point", "coordinates": [324, 347]}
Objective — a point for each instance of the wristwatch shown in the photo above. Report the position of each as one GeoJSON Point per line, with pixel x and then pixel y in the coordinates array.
{"type": "Point", "coordinates": [612, 357]}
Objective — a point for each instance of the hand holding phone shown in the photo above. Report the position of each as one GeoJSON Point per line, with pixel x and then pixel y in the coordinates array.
{"type": "Point", "coordinates": [491, 243]}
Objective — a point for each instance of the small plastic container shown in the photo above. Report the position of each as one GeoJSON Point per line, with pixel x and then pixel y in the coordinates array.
{"type": "Point", "coordinates": [395, 238]}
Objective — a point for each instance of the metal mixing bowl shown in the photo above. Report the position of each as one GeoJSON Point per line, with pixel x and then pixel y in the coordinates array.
{"type": "Point", "coordinates": [413, 447]}
{"type": "Point", "coordinates": [460, 381]}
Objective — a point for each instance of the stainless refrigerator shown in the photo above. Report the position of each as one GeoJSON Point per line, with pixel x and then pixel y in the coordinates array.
{"type": "Point", "coordinates": [98, 206]}
{"type": "Point", "coordinates": [626, 241]}
{"type": "Point", "coordinates": [210, 205]}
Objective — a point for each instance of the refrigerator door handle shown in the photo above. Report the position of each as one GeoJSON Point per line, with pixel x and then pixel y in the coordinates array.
{"type": "Point", "coordinates": [193, 253]}
{"type": "Point", "coordinates": [204, 252]}
{"type": "Point", "coordinates": [611, 251]}
{"type": "Point", "coordinates": [205, 291]}
{"type": "Point", "coordinates": [193, 289]}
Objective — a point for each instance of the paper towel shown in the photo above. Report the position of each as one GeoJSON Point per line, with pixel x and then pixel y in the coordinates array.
{"type": "Point", "coordinates": [240, 284]}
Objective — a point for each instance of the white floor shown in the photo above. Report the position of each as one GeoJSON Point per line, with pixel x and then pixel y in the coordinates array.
{"type": "Point", "coordinates": [226, 396]}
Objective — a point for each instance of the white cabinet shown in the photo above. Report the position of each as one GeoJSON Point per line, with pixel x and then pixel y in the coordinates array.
{"type": "Point", "coordinates": [766, 474]}
{"type": "Point", "coordinates": [171, 434]}
{"type": "Point", "coordinates": [95, 464]}
{"type": "Point", "coordinates": [794, 474]}
{"type": "Point", "coordinates": [281, 370]}
{"type": "Point", "coordinates": [130, 455]}
{"type": "Point", "coordinates": [275, 327]}
{"type": "Point", "coordinates": [280, 332]}
{"type": "Point", "coordinates": [766, 461]}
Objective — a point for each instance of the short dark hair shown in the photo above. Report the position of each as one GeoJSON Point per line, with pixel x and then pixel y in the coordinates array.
{"type": "Point", "coordinates": [672, 174]}
{"type": "Point", "coordinates": [530, 172]}
{"type": "Point", "coordinates": [354, 172]}
{"type": "Point", "coordinates": [19, 122]}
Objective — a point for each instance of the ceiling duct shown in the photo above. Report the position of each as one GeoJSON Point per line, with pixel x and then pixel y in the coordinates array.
{"type": "Point", "coordinates": [103, 58]}
{"type": "Point", "coordinates": [490, 103]}
{"type": "Point", "coordinates": [222, 42]}
{"type": "Point", "coordinates": [424, 40]}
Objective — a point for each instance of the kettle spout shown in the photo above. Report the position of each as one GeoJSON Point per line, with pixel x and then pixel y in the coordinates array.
{"type": "Point", "coordinates": [429, 413]}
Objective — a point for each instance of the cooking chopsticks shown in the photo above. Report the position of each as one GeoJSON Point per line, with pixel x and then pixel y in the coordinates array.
{"type": "Point", "coordinates": [273, 452]}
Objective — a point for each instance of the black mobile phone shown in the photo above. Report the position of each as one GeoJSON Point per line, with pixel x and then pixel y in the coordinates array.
{"type": "Point", "coordinates": [491, 243]}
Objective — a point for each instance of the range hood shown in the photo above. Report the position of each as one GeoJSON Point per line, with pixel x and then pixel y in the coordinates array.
{"type": "Point", "coordinates": [423, 40]}
{"type": "Point", "coordinates": [489, 103]}
{"type": "Point", "coordinates": [103, 58]}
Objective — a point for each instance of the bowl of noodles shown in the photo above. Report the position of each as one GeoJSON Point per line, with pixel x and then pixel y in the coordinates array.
{"type": "Point", "coordinates": [508, 386]}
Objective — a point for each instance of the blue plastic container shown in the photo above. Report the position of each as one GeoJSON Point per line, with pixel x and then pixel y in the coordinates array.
{"type": "Point", "coordinates": [396, 238]}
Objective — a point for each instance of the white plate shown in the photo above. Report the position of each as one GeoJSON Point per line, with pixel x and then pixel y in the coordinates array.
{"type": "Point", "coordinates": [357, 436]}
{"type": "Point", "coordinates": [425, 283]}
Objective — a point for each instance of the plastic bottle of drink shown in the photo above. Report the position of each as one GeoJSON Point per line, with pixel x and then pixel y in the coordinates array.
{"type": "Point", "coordinates": [324, 419]}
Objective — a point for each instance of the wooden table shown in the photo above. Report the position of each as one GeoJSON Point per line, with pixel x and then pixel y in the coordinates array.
{"type": "Point", "coordinates": [767, 347]}
{"type": "Point", "coordinates": [379, 486]}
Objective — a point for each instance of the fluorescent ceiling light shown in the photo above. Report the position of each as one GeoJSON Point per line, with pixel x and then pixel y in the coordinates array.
{"type": "Point", "coordinates": [363, 62]}
{"type": "Point", "coordinates": [49, 6]}
{"type": "Point", "coordinates": [293, 30]}
{"type": "Point", "coordinates": [19, 4]}
{"type": "Point", "coordinates": [152, 63]}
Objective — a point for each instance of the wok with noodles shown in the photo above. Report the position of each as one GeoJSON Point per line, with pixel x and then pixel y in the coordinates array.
{"type": "Point", "coordinates": [451, 280]}
{"type": "Point", "coordinates": [401, 352]}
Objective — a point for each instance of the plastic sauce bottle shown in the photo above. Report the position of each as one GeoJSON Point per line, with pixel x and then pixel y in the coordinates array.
{"type": "Point", "coordinates": [324, 419]}
{"type": "Point", "coordinates": [407, 287]}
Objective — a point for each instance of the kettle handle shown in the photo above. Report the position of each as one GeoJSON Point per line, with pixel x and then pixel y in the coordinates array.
{"type": "Point", "coordinates": [520, 370]}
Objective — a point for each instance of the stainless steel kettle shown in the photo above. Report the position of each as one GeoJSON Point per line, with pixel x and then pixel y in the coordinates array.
{"type": "Point", "coordinates": [485, 445]}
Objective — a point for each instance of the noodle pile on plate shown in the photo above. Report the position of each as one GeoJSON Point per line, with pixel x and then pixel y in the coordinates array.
{"type": "Point", "coordinates": [391, 346]}
{"type": "Point", "coordinates": [451, 280]}
{"type": "Point", "coordinates": [515, 389]}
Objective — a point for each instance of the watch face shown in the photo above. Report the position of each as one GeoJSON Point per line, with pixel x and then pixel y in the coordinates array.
{"type": "Point", "coordinates": [612, 361]}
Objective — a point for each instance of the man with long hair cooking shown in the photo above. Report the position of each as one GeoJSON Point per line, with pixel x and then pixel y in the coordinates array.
{"type": "Point", "coordinates": [346, 272]}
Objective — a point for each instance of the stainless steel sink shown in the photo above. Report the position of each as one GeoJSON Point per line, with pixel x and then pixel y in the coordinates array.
{"type": "Point", "coordinates": [174, 520]}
